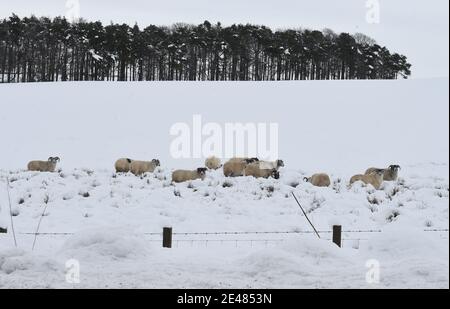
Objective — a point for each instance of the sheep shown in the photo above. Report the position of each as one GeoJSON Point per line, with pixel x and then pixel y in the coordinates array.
{"type": "Point", "coordinates": [271, 164]}
{"type": "Point", "coordinates": [255, 171]}
{"type": "Point", "coordinates": [179, 176]}
{"type": "Point", "coordinates": [44, 166]}
{"type": "Point", "coordinates": [235, 167]}
{"type": "Point", "coordinates": [213, 163]}
{"type": "Point", "coordinates": [141, 167]}
{"type": "Point", "coordinates": [389, 174]}
{"type": "Point", "coordinates": [319, 180]}
{"type": "Point", "coordinates": [375, 178]}
{"type": "Point", "coordinates": [123, 165]}
{"type": "Point", "coordinates": [248, 160]}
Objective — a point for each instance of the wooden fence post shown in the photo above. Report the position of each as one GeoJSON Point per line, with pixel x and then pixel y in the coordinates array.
{"type": "Point", "coordinates": [3, 230]}
{"type": "Point", "coordinates": [167, 237]}
{"type": "Point", "coordinates": [337, 235]}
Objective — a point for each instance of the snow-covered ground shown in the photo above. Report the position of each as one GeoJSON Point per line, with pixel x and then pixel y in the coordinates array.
{"type": "Point", "coordinates": [111, 218]}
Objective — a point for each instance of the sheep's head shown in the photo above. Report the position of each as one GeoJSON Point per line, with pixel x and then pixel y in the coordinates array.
{"type": "Point", "coordinates": [280, 163]}
{"type": "Point", "coordinates": [306, 179]}
{"type": "Point", "coordinates": [202, 171]}
{"type": "Point", "coordinates": [395, 168]}
{"type": "Point", "coordinates": [275, 174]}
{"type": "Point", "coordinates": [54, 160]}
{"type": "Point", "coordinates": [156, 162]}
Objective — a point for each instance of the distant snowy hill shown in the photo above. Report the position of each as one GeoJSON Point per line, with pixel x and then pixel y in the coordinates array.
{"type": "Point", "coordinates": [335, 126]}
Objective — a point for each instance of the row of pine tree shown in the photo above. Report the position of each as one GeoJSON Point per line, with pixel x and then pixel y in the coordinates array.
{"type": "Point", "coordinates": [40, 49]}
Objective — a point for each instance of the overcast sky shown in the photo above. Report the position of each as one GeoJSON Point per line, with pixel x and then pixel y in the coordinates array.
{"type": "Point", "coordinates": [416, 28]}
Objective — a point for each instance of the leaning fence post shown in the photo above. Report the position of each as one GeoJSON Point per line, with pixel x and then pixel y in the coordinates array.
{"type": "Point", "coordinates": [337, 235]}
{"type": "Point", "coordinates": [3, 230]}
{"type": "Point", "coordinates": [167, 237]}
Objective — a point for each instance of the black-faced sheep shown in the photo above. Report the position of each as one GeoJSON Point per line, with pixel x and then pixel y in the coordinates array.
{"type": "Point", "coordinates": [123, 165]}
{"type": "Point", "coordinates": [141, 167]}
{"type": "Point", "coordinates": [389, 174]}
{"type": "Point", "coordinates": [375, 178]}
{"type": "Point", "coordinates": [213, 163]}
{"type": "Point", "coordinates": [255, 171]}
{"type": "Point", "coordinates": [44, 166]}
{"type": "Point", "coordinates": [235, 167]}
{"type": "Point", "coordinates": [319, 180]}
{"type": "Point", "coordinates": [179, 176]}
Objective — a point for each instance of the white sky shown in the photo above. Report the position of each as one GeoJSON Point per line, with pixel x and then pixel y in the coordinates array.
{"type": "Point", "coordinates": [416, 28]}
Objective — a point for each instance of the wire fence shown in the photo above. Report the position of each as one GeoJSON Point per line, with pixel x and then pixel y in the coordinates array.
{"type": "Point", "coordinates": [259, 238]}
{"type": "Point", "coordinates": [235, 233]}
{"type": "Point", "coordinates": [245, 239]}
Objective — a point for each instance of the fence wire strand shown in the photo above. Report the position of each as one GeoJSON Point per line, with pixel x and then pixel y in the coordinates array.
{"type": "Point", "coordinates": [233, 233]}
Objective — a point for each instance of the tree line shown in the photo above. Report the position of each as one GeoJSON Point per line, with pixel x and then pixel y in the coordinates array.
{"type": "Point", "coordinates": [42, 49]}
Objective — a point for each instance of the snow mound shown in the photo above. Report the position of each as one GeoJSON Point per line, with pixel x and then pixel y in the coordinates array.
{"type": "Point", "coordinates": [19, 269]}
{"type": "Point", "coordinates": [115, 244]}
{"type": "Point", "coordinates": [405, 243]}
{"type": "Point", "coordinates": [17, 260]}
{"type": "Point", "coordinates": [299, 261]}
{"type": "Point", "coordinates": [410, 258]}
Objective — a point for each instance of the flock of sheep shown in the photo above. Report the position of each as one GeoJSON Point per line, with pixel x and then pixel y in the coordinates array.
{"type": "Point", "coordinates": [373, 176]}
{"type": "Point", "coordinates": [235, 167]}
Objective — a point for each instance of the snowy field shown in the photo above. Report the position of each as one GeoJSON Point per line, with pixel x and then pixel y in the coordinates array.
{"type": "Point", "coordinates": [112, 221]}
